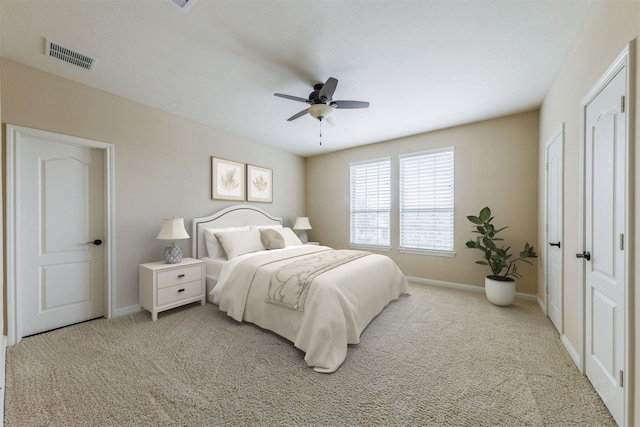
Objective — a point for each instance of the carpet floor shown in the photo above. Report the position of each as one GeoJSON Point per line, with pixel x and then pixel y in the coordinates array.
{"type": "Point", "coordinates": [437, 357]}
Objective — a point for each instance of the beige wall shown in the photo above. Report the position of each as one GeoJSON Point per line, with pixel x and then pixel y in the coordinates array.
{"type": "Point", "coordinates": [608, 29]}
{"type": "Point", "coordinates": [496, 164]}
{"type": "Point", "coordinates": [162, 162]}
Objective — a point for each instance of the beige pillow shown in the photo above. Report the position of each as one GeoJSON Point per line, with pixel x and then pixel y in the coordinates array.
{"type": "Point", "coordinates": [237, 243]}
{"type": "Point", "coordinates": [290, 238]}
{"type": "Point", "coordinates": [214, 249]}
{"type": "Point", "coordinates": [271, 239]}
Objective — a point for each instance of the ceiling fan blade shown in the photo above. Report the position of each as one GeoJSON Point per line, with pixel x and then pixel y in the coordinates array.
{"type": "Point", "coordinates": [293, 98]}
{"type": "Point", "coordinates": [349, 104]}
{"type": "Point", "coordinates": [328, 89]}
{"type": "Point", "coordinates": [298, 115]}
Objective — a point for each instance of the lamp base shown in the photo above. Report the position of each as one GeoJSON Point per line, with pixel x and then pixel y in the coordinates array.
{"type": "Point", "coordinates": [304, 238]}
{"type": "Point", "coordinates": [172, 254]}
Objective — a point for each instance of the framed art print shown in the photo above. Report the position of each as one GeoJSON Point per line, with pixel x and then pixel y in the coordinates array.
{"type": "Point", "coordinates": [259, 184]}
{"type": "Point", "coordinates": [227, 180]}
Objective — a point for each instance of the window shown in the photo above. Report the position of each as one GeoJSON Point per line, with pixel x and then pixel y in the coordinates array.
{"type": "Point", "coordinates": [371, 203]}
{"type": "Point", "coordinates": [426, 200]}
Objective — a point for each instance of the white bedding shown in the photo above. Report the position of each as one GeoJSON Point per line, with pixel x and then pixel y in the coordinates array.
{"type": "Point", "coordinates": [340, 302]}
{"type": "Point", "coordinates": [228, 266]}
{"type": "Point", "coordinates": [213, 269]}
{"type": "Point", "coordinates": [213, 266]}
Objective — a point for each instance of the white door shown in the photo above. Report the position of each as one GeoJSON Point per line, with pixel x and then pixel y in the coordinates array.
{"type": "Point", "coordinates": [604, 252]}
{"type": "Point", "coordinates": [555, 178]}
{"type": "Point", "coordinates": [60, 274]}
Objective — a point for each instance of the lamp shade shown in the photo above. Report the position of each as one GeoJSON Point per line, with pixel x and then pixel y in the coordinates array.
{"type": "Point", "coordinates": [172, 229]}
{"type": "Point", "coordinates": [320, 110]}
{"type": "Point", "coordinates": [302, 223]}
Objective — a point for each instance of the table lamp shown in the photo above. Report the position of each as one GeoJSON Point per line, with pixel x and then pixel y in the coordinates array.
{"type": "Point", "coordinates": [302, 223]}
{"type": "Point", "coordinates": [172, 229]}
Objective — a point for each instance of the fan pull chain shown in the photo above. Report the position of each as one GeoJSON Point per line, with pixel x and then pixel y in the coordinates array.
{"type": "Point", "coordinates": [321, 131]}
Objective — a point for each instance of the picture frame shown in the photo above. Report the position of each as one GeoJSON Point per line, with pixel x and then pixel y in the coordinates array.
{"type": "Point", "coordinates": [259, 184]}
{"type": "Point", "coordinates": [227, 180]}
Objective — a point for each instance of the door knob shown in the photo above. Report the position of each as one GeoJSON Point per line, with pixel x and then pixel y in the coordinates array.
{"type": "Point", "coordinates": [555, 244]}
{"type": "Point", "coordinates": [96, 242]}
{"type": "Point", "coordinates": [586, 255]}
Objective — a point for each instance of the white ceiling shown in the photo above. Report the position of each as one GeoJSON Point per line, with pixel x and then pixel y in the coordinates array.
{"type": "Point", "coordinates": [423, 65]}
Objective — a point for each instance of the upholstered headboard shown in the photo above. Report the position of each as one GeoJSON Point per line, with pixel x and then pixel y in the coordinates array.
{"type": "Point", "coordinates": [233, 216]}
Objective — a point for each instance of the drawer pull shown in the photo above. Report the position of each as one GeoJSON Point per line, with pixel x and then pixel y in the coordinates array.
{"type": "Point", "coordinates": [180, 276]}
{"type": "Point", "coordinates": [180, 290]}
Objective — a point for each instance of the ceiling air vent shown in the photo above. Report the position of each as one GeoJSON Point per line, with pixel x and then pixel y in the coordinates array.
{"type": "Point", "coordinates": [67, 55]}
{"type": "Point", "coordinates": [185, 5]}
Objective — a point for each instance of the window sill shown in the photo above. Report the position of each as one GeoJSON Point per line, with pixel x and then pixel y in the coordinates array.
{"type": "Point", "coordinates": [446, 254]}
{"type": "Point", "coordinates": [371, 248]}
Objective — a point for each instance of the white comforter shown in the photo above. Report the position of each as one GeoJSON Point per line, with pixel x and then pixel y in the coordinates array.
{"type": "Point", "coordinates": [340, 302]}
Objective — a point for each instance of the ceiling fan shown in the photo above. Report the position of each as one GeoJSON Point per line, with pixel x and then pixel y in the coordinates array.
{"type": "Point", "coordinates": [322, 103]}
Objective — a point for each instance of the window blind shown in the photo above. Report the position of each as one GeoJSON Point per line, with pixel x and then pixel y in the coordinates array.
{"type": "Point", "coordinates": [371, 203]}
{"type": "Point", "coordinates": [426, 200]}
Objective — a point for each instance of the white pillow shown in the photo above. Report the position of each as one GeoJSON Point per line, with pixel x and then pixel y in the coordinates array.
{"type": "Point", "coordinates": [290, 238]}
{"type": "Point", "coordinates": [214, 249]}
{"type": "Point", "coordinates": [237, 243]}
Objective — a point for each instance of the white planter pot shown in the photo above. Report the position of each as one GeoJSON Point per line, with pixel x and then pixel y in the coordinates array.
{"type": "Point", "coordinates": [500, 292]}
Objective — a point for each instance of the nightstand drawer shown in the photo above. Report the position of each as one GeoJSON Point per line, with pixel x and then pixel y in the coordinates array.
{"type": "Point", "coordinates": [179, 292]}
{"type": "Point", "coordinates": [179, 275]}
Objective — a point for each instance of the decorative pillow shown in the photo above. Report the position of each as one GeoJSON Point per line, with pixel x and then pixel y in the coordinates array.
{"type": "Point", "coordinates": [271, 239]}
{"type": "Point", "coordinates": [214, 250]}
{"type": "Point", "coordinates": [237, 243]}
{"type": "Point", "coordinates": [290, 238]}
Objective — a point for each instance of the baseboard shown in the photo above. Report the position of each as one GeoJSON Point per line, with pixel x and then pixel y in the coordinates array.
{"type": "Point", "coordinates": [575, 356]}
{"type": "Point", "coordinates": [462, 286]}
{"type": "Point", "coordinates": [3, 359]}
{"type": "Point", "coordinates": [542, 304]}
{"type": "Point", "coordinates": [127, 310]}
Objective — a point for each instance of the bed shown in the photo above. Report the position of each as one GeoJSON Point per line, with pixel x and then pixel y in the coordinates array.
{"type": "Point", "coordinates": [319, 298]}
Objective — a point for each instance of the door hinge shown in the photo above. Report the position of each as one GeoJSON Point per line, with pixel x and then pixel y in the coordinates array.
{"type": "Point", "coordinates": [546, 166]}
{"type": "Point", "coordinates": [622, 104]}
{"type": "Point", "coordinates": [621, 378]}
{"type": "Point", "coordinates": [621, 242]}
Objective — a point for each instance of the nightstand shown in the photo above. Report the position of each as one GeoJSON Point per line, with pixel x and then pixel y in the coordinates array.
{"type": "Point", "coordinates": [164, 286]}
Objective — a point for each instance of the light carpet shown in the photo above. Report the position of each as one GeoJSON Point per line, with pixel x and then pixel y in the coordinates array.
{"type": "Point", "coordinates": [437, 357]}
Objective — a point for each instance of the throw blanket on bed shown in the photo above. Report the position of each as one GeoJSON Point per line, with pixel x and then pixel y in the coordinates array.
{"type": "Point", "coordinates": [289, 285]}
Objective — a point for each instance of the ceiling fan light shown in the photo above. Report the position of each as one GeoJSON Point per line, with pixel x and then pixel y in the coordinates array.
{"type": "Point", "coordinates": [320, 110]}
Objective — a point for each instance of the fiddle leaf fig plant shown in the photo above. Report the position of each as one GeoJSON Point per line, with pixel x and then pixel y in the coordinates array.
{"type": "Point", "coordinates": [501, 261]}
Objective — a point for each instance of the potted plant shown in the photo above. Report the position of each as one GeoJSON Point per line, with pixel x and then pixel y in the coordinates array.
{"type": "Point", "coordinates": [500, 286]}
